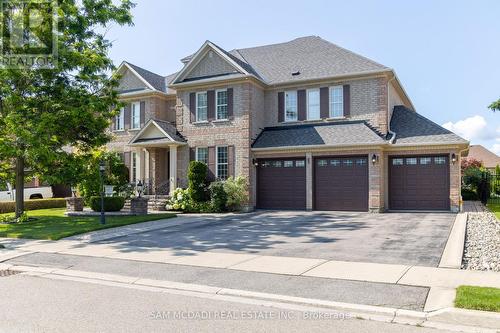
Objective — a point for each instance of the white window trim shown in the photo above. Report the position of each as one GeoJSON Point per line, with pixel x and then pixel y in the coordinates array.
{"type": "Point", "coordinates": [296, 106]}
{"type": "Point", "coordinates": [217, 160]}
{"type": "Point", "coordinates": [138, 108]}
{"type": "Point", "coordinates": [330, 102]}
{"type": "Point", "coordinates": [196, 102]}
{"type": "Point", "coordinates": [307, 103]}
{"type": "Point", "coordinates": [196, 152]}
{"type": "Point", "coordinates": [135, 173]}
{"type": "Point", "coordinates": [120, 120]}
{"type": "Point", "coordinates": [216, 104]}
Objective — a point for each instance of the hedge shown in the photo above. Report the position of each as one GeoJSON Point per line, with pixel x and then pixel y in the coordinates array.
{"type": "Point", "coordinates": [111, 204]}
{"type": "Point", "coordinates": [10, 206]}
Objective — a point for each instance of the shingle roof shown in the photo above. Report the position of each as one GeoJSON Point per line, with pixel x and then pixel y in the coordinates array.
{"type": "Point", "coordinates": [170, 129]}
{"type": "Point", "coordinates": [312, 56]}
{"type": "Point", "coordinates": [328, 134]}
{"type": "Point", "coordinates": [489, 159]}
{"type": "Point", "coordinates": [413, 128]}
{"type": "Point", "coordinates": [157, 81]}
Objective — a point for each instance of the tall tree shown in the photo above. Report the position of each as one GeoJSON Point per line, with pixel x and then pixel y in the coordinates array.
{"type": "Point", "coordinates": [495, 106]}
{"type": "Point", "coordinates": [44, 111]}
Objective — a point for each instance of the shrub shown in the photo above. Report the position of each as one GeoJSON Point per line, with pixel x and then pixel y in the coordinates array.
{"type": "Point", "coordinates": [237, 192]}
{"type": "Point", "coordinates": [111, 204]}
{"type": "Point", "coordinates": [10, 206]}
{"type": "Point", "coordinates": [197, 181]}
{"type": "Point", "coordinates": [218, 196]}
{"type": "Point", "coordinates": [180, 200]}
{"type": "Point", "coordinates": [468, 194]}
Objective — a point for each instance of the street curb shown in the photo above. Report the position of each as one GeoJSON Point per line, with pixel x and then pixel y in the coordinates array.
{"type": "Point", "coordinates": [368, 312]}
{"type": "Point", "coordinates": [454, 249]}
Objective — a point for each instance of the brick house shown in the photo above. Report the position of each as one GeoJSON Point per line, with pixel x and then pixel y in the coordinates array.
{"type": "Point", "coordinates": [310, 124]}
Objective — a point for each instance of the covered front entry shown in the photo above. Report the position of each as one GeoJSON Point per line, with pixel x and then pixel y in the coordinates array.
{"type": "Point", "coordinates": [281, 183]}
{"type": "Point", "coordinates": [341, 183]}
{"type": "Point", "coordinates": [419, 183]}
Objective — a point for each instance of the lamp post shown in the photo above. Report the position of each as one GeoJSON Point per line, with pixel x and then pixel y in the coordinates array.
{"type": "Point", "coordinates": [102, 169]}
{"type": "Point", "coordinates": [139, 188]}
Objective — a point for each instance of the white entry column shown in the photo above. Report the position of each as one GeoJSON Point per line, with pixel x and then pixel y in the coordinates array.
{"type": "Point", "coordinates": [173, 168]}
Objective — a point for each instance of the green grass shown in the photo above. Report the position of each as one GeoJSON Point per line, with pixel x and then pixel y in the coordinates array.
{"type": "Point", "coordinates": [495, 208]}
{"type": "Point", "coordinates": [53, 224]}
{"type": "Point", "coordinates": [478, 298]}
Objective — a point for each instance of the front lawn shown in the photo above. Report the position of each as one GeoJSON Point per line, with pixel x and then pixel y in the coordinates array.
{"type": "Point", "coordinates": [53, 224]}
{"type": "Point", "coordinates": [495, 208]}
{"type": "Point", "coordinates": [478, 298]}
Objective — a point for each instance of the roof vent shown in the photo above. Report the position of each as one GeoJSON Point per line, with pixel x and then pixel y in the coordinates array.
{"type": "Point", "coordinates": [296, 73]}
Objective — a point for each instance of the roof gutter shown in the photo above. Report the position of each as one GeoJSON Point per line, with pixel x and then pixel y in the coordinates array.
{"type": "Point", "coordinates": [393, 134]}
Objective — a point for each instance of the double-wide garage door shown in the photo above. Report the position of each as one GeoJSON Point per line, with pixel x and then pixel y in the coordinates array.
{"type": "Point", "coordinates": [419, 183]}
{"type": "Point", "coordinates": [340, 183]}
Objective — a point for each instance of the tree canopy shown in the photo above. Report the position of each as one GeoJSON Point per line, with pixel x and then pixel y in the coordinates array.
{"type": "Point", "coordinates": [44, 111]}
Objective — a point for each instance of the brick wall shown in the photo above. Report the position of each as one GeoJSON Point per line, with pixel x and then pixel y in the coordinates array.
{"type": "Point", "coordinates": [368, 101]}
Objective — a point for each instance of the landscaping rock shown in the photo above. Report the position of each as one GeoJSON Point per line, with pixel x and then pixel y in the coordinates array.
{"type": "Point", "coordinates": [482, 242]}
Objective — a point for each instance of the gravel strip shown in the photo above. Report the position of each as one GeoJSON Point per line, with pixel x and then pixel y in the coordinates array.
{"type": "Point", "coordinates": [482, 242]}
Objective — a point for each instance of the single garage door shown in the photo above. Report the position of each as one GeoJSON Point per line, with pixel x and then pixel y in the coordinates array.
{"type": "Point", "coordinates": [341, 183]}
{"type": "Point", "coordinates": [419, 182]}
{"type": "Point", "coordinates": [281, 184]}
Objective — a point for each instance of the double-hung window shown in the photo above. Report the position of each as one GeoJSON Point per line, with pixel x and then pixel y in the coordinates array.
{"type": "Point", "coordinates": [222, 162]}
{"type": "Point", "coordinates": [291, 106]}
{"type": "Point", "coordinates": [201, 106]}
{"type": "Point", "coordinates": [221, 104]}
{"type": "Point", "coordinates": [336, 102]}
{"type": "Point", "coordinates": [120, 120]}
{"type": "Point", "coordinates": [202, 154]}
{"type": "Point", "coordinates": [134, 167]}
{"type": "Point", "coordinates": [313, 104]}
{"type": "Point", "coordinates": [135, 115]}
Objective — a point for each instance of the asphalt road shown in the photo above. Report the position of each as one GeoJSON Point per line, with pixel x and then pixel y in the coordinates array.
{"type": "Point", "coordinates": [34, 304]}
{"type": "Point", "coordinates": [392, 238]}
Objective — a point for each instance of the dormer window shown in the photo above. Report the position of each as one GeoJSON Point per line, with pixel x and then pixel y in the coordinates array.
{"type": "Point", "coordinates": [201, 106]}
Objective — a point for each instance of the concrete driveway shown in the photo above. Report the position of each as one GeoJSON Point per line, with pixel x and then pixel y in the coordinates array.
{"type": "Point", "coordinates": [395, 238]}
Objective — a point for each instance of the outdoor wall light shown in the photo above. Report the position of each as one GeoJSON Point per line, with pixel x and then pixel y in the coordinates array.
{"type": "Point", "coordinates": [374, 159]}
{"type": "Point", "coordinates": [453, 158]}
{"type": "Point", "coordinates": [139, 188]}
{"type": "Point", "coordinates": [255, 162]}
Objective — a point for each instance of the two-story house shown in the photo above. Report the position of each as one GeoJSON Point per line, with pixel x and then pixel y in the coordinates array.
{"type": "Point", "coordinates": [310, 124]}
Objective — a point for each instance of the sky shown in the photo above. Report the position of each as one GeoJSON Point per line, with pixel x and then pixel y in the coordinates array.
{"type": "Point", "coordinates": [446, 53]}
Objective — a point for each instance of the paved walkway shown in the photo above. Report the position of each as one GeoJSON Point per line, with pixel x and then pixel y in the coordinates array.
{"type": "Point", "coordinates": [331, 269]}
{"type": "Point", "coordinates": [473, 207]}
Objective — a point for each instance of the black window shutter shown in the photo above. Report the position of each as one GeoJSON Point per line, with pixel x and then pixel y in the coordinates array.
{"type": "Point", "coordinates": [281, 107]}
{"type": "Point", "coordinates": [211, 105]}
{"type": "Point", "coordinates": [211, 163]}
{"type": "Point", "coordinates": [192, 154]}
{"type": "Point", "coordinates": [230, 103]}
{"type": "Point", "coordinates": [230, 161]}
{"type": "Point", "coordinates": [324, 101]}
{"type": "Point", "coordinates": [192, 107]}
{"type": "Point", "coordinates": [301, 104]}
{"type": "Point", "coordinates": [347, 100]}
{"type": "Point", "coordinates": [143, 113]}
{"type": "Point", "coordinates": [126, 114]}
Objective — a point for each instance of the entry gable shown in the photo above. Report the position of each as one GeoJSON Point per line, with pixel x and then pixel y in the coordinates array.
{"type": "Point", "coordinates": [157, 132]}
{"type": "Point", "coordinates": [209, 61]}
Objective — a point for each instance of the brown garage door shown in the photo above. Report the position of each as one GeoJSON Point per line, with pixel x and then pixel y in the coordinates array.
{"type": "Point", "coordinates": [341, 183]}
{"type": "Point", "coordinates": [419, 182]}
{"type": "Point", "coordinates": [281, 184]}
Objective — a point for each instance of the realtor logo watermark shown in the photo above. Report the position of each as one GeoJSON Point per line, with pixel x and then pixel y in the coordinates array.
{"type": "Point", "coordinates": [28, 34]}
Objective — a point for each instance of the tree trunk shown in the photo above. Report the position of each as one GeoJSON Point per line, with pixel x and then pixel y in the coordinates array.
{"type": "Point", "coordinates": [19, 186]}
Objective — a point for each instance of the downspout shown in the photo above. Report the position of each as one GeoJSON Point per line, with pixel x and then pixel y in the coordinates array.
{"type": "Point", "coordinates": [393, 134]}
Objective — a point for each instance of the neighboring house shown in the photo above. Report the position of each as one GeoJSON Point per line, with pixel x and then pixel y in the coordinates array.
{"type": "Point", "coordinates": [310, 124]}
{"type": "Point", "coordinates": [489, 159]}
